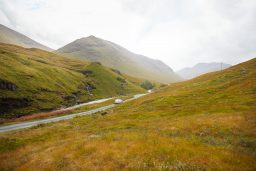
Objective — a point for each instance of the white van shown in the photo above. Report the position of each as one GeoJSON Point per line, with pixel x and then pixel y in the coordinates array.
{"type": "Point", "coordinates": [118, 101]}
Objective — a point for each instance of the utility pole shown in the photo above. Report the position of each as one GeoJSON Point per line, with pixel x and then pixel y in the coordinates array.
{"type": "Point", "coordinates": [221, 66]}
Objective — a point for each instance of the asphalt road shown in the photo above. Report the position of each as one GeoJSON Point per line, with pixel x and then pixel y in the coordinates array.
{"type": "Point", "coordinates": [59, 118]}
{"type": "Point", "coordinates": [85, 104]}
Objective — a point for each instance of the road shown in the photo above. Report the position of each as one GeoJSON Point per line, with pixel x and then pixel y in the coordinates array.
{"type": "Point", "coordinates": [85, 104]}
{"type": "Point", "coordinates": [60, 118]}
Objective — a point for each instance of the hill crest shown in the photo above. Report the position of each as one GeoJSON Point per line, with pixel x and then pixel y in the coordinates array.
{"type": "Point", "coordinates": [201, 68]}
{"type": "Point", "coordinates": [10, 36]}
{"type": "Point", "coordinates": [115, 56]}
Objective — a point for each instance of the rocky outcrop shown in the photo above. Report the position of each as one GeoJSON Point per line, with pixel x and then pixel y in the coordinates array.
{"type": "Point", "coordinates": [116, 71]}
{"type": "Point", "coordinates": [121, 80]}
{"type": "Point", "coordinates": [7, 104]}
{"type": "Point", "coordinates": [6, 85]}
{"type": "Point", "coordinates": [74, 98]}
{"type": "Point", "coordinates": [87, 72]}
{"type": "Point", "coordinates": [71, 99]}
{"type": "Point", "coordinates": [89, 87]}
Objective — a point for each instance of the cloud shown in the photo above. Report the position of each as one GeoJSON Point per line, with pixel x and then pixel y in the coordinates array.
{"type": "Point", "coordinates": [178, 32]}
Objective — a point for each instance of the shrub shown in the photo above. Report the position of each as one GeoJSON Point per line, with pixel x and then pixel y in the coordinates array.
{"type": "Point", "coordinates": [121, 79]}
{"type": "Point", "coordinates": [147, 85]}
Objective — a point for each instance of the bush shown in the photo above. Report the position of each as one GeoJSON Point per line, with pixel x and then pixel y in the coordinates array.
{"type": "Point", "coordinates": [147, 85]}
{"type": "Point", "coordinates": [121, 79]}
{"type": "Point", "coordinates": [116, 71]}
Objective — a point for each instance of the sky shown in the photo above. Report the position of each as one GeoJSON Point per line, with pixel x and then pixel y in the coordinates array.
{"type": "Point", "coordinates": [181, 33]}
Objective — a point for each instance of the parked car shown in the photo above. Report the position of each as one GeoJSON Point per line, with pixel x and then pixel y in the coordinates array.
{"type": "Point", "coordinates": [118, 101]}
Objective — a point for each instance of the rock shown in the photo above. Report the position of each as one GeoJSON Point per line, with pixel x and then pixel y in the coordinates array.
{"type": "Point", "coordinates": [121, 80]}
{"type": "Point", "coordinates": [71, 99]}
{"type": "Point", "coordinates": [104, 113]}
{"type": "Point", "coordinates": [6, 85]}
{"type": "Point", "coordinates": [89, 86]}
{"type": "Point", "coordinates": [97, 63]}
{"type": "Point", "coordinates": [7, 104]}
{"type": "Point", "coordinates": [87, 72]}
{"type": "Point", "coordinates": [116, 71]}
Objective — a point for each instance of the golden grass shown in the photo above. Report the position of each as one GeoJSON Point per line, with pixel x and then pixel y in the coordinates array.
{"type": "Point", "coordinates": [207, 123]}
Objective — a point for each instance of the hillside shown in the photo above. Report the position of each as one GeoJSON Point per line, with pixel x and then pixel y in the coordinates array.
{"type": "Point", "coordinates": [207, 123]}
{"type": "Point", "coordinates": [201, 68]}
{"type": "Point", "coordinates": [10, 36]}
{"type": "Point", "coordinates": [33, 80]}
{"type": "Point", "coordinates": [112, 55]}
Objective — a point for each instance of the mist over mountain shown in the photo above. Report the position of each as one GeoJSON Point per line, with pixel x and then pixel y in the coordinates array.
{"type": "Point", "coordinates": [201, 68]}
{"type": "Point", "coordinates": [10, 36]}
{"type": "Point", "coordinates": [112, 55]}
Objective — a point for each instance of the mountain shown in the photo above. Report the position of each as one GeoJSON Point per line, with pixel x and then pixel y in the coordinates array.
{"type": "Point", "coordinates": [201, 68]}
{"type": "Point", "coordinates": [34, 80]}
{"type": "Point", "coordinates": [10, 36]}
{"type": "Point", "coordinates": [207, 123]}
{"type": "Point", "coordinates": [112, 55]}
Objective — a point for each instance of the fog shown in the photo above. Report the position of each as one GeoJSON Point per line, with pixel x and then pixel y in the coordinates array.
{"type": "Point", "coordinates": [181, 33]}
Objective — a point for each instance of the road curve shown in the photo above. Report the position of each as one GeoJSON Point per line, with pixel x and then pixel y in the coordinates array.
{"type": "Point", "coordinates": [59, 118]}
{"type": "Point", "coordinates": [88, 103]}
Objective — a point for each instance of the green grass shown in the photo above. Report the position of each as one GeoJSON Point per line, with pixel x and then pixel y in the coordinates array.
{"type": "Point", "coordinates": [207, 123]}
{"type": "Point", "coordinates": [46, 81]}
{"type": "Point", "coordinates": [43, 115]}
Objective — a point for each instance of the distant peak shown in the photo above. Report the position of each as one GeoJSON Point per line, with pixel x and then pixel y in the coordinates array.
{"type": "Point", "coordinates": [92, 37]}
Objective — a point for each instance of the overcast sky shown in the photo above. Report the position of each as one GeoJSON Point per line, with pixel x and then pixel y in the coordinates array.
{"type": "Point", "coordinates": [179, 32]}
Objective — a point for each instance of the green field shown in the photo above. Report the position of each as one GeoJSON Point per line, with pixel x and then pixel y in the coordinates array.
{"type": "Point", "coordinates": [208, 123]}
{"type": "Point", "coordinates": [33, 80]}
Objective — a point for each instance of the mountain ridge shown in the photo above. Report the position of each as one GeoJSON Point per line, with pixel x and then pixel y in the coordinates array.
{"type": "Point", "coordinates": [10, 36]}
{"type": "Point", "coordinates": [201, 68]}
{"type": "Point", "coordinates": [115, 56]}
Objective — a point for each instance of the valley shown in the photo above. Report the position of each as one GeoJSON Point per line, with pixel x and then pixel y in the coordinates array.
{"type": "Point", "coordinates": [67, 112]}
{"type": "Point", "coordinates": [70, 101]}
{"type": "Point", "coordinates": [200, 124]}
{"type": "Point", "coordinates": [33, 80]}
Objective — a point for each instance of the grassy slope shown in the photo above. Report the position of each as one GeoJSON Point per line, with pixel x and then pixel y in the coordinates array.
{"type": "Point", "coordinates": [46, 79]}
{"type": "Point", "coordinates": [55, 113]}
{"type": "Point", "coordinates": [205, 123]}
